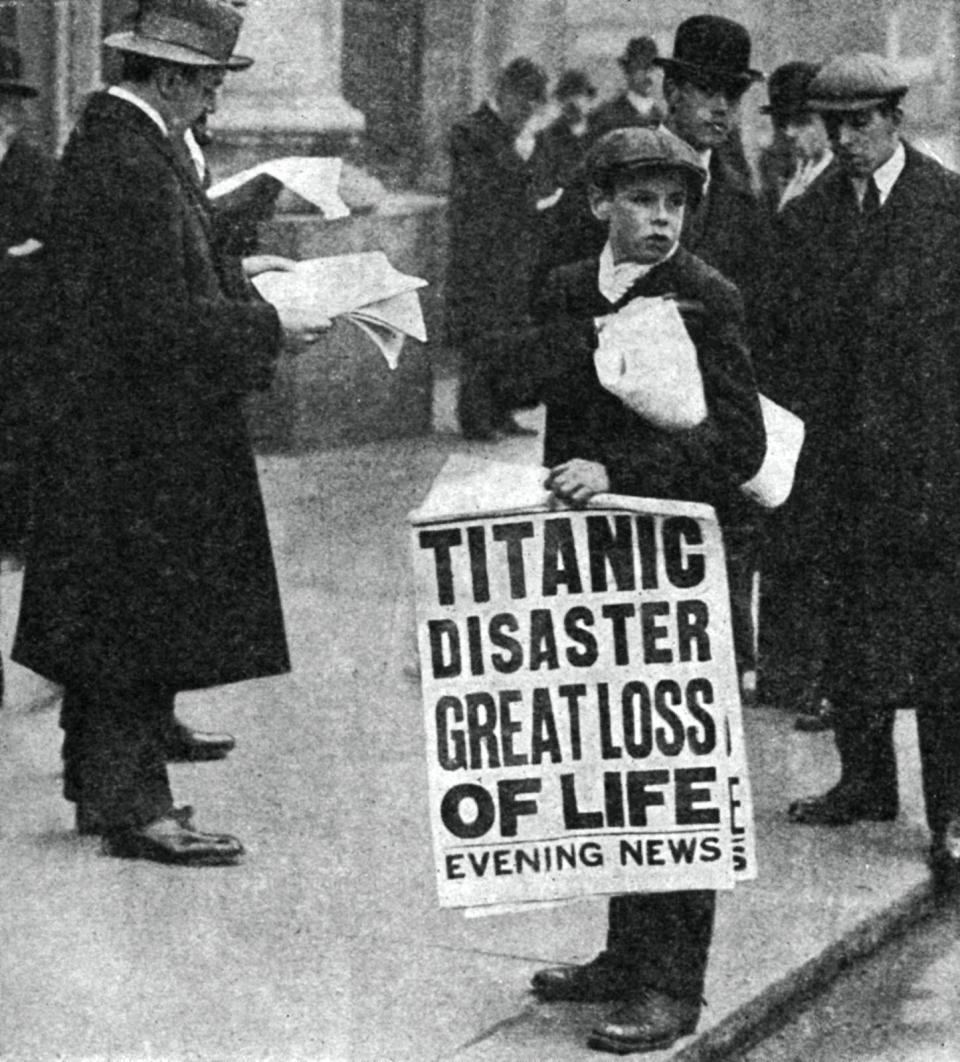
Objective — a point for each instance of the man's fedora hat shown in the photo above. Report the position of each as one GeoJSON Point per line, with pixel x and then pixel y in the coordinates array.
{"type": "Point", "coordinates": [635, 149]}
{"type": "Point", "coordinates": [190, 32]}
{"type": "Point", "coordinates": [854, 83]}
{"type": "Point", "coordinates": [11, 74]}
{"type": "Point", "coordinates": [709, 46]}
{"type": "Point", "coordinates": [641, 51]}
{"type": "Point", "coordinates": [788, 87]}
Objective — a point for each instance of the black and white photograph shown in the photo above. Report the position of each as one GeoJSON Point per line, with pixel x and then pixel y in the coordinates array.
{"type": "Point", "coordinates": [479, 530]}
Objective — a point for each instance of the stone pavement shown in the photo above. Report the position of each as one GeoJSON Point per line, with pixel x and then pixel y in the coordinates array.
{"type": "Point", "coordinates": [326, 943]}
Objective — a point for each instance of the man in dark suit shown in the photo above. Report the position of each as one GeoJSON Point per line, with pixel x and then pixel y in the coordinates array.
{"type": "Point", "coordinates": [149, 568]}
{"type": "Point", "coordinates": [493, 233]}
{"type": "Point", "coordinates": [26, 178]}
{"type": "Point", "coordinates": [637, 104]}
{"type": "Point", "coordinates": [703, 83]}
{"type": "Point", "coordinates": [655, 958]}
{"type": "Point", "coordinates": [870, 300]}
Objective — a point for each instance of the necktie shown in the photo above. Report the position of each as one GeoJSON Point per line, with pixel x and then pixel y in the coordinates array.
{"type": "Point", "coordinates": [871, 199]}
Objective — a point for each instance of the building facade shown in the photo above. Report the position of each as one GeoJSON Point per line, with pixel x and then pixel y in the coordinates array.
{"type": "Point", "coordinates": [386, 79]}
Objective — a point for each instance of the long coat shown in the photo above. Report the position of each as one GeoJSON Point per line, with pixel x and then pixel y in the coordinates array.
{"type": "Point", "coordinates": [493, 221]}
{"type": "Point", "coordinates": [867, 329]}
{"type": "Point", "coordinates": [149, 558]}
{"type": "Point", "coordinates": [26, 181]}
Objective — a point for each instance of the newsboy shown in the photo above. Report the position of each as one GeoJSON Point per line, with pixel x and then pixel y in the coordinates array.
{"type": "Point", "coordinates": [642, 183]}
{"type": "Point", "coordinates": [869, 327]}
{"type": "Point", "coordinates": [149, 570]}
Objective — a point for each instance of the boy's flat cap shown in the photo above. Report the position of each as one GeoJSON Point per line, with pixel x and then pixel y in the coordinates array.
{"type": "Point", "coordinates": [854, 82]}
{"type": "Point", "coordinates": [638, 148]}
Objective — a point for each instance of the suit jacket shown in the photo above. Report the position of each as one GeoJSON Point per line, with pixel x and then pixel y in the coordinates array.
{"type": "Point", "coordinates": [867, 322]}
{"type": "Point", "coordinates": [729, 231]}
{"type": "Point", "coordinates": [492, 216]}
{"type": "Point", "coordinates": [149, 556]}
{"type": "Point", "coordinates": [705, 464]}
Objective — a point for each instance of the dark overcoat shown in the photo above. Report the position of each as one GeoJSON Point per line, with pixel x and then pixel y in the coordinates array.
{"type": "Point", "coordinates": [493, 219]}
{"type": "Point", "coordinates": [149, 559]}
{"type": "Point", "coordinates": [26, 181]}
{"type": "Point", "coordinates": [704, 464]}
{"type": "Point", "coordinates": [730, 232]}
{"type": "Point", "coordinates": [867, 316]}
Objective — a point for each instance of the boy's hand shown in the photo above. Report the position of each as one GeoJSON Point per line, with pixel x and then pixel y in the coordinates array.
{"type": "Point", "coordinates": [576, 481]}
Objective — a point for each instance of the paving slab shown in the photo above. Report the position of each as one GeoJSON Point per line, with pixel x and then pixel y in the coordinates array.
{"type": "Point", "coordinates": [327, 944]}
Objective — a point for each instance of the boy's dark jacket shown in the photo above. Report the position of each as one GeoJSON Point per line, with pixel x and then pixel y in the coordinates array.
{"type": "Point", "coordinates": [705, 464]}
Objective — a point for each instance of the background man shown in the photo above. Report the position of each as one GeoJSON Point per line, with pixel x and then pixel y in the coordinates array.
{"type": "Point", "coordinates": [26, 179]}
{"type": "Point", "coordinates": [149, 570]}
{"type": "Point", "coordinates": [638, 103]}
{"type": "Point", "coordinates": [703, 83]}
{"type": "Point", "coordinates": [493, 231]}
{"type": "Point", "coordinates": [800, 129]}
{"type": "Point", "coordinates": [870, 300]}
{"type": "Point", "coordinates": [791, 638]}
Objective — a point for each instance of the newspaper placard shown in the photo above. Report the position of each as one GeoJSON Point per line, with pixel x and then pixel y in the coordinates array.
{"type": "Point", "coordinates": [578, 682]}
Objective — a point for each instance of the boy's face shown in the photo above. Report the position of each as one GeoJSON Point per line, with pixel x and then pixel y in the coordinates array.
{"type": "Point", "coordinates": [644, 216]}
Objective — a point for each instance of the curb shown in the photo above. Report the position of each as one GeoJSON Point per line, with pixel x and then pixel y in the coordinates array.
{"type": "Point", "coordinates": [778, 1003]}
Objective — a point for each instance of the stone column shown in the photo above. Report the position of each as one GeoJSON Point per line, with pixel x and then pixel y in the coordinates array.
{"type": "Point", "coordinates": [60, 40]}
{"type": "Point", "coordinates": [289, 101]}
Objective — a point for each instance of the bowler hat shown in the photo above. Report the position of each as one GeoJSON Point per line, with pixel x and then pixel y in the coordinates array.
{"type": "Point", "coordinates": [11, 74]}
{"type": "Point", "coordinates": [634, 149]}
{"type": "Point", "coordinates": [787, 88]}
{"type": "Point", "coordinates": [854, 83]}
{"type": "Point", "coordinates": [641, 51]}
{"type": "Point", "coordinates": [574, 83]}
{"type": "Point", "coordinates": [710, 46]}
{"type": "Point", "coordinates": [190, 32]}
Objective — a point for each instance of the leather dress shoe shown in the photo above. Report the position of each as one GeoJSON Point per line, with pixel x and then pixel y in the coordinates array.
{"type": "Point", "coordinates": [597, 981]}
{"type": "Point", "coordinates": [650, 1022]}
{"type": "Point", "coordinates": [842, 806]}
{"type": "Point", "coordinates": [168, 840]}
{"type": "Point", "coordinates": [90, 824]}
{"type": "Point", "coordinates": [184, 745]}
{"type": "Point", "coordinates": [945, 856]}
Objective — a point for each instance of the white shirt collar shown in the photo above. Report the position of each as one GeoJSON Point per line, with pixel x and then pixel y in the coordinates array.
{"type": "Point", "coordinates": [196, 153]}
{"type": "Point", "coordinates": [151, 112]}
{"type": "Point", "coordinates": [885, 176]}
{"type": "Point", "coordinates": [615, 280]}
{"type": "Point", "coordinates": [641, 104]}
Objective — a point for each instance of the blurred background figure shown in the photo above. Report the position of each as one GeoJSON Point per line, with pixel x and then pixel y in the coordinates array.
{"type": "Point", "coordinates": [26, 181]}
{"type": "Point", "coordinates": [561, 146]}
{"type": "Point", "coordinates": [800, 151]}
{"type": "Point", "coordinates": [493, 233]}
{"type": "Point", "coordinates": [639, 103]}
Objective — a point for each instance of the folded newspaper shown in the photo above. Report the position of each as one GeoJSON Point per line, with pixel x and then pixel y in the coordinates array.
{"type": "Point", "coordinates": [364, 288]}
{"type": "Point", "coordinates": [315, 179]}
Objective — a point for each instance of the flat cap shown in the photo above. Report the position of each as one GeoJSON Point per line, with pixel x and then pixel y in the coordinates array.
{"type": "Point", "coordinates": [854, 82]}
{"type": "Point", "coordinates": [637, 148]}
